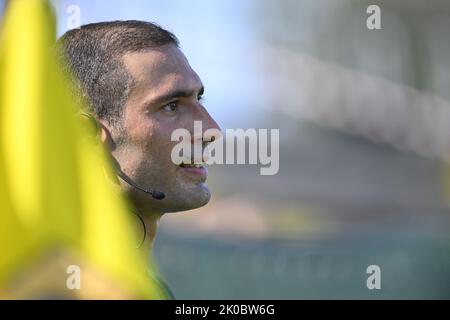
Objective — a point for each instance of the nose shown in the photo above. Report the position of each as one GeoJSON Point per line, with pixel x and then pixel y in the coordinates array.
{"type": "Point", "coordinates": [211, 124]}
{"type": "Point", "coordinates": [211, 131]}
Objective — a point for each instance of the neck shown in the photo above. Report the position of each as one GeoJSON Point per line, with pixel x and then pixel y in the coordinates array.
{"type": "Point", "coordinates": [150, 218]}
{"type": "Point", "coordinates": [145, 215]}
{"type": "Point", "coordinates": [151, 225]}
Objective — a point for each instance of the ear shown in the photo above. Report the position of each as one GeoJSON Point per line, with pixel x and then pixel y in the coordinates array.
{"type": "Point", "coordinates": [104, 134]}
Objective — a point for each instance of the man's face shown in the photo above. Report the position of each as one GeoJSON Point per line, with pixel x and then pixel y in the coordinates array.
{"type": "Point", "coordinates": [165, 97]}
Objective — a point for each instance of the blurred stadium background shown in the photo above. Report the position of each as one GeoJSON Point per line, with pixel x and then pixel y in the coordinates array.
{"type": "Point", "coordinates": [364, 119]}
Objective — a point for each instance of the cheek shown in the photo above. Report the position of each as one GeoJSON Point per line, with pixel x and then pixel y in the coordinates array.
{"type": "Point", "coordinates": [159, 143]}
{"type": "Point", "coordinates": [152, 136]}
{"type": "Point", "coordinates": [141, 130]}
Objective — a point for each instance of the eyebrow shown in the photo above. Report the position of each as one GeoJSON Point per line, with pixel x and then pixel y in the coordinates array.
{"type": "Point", "coordinates": [177, 94]}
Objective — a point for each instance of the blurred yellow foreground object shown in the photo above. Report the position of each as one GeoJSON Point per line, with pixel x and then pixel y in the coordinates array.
{"type": "Point", "coordinates": [64, 230]}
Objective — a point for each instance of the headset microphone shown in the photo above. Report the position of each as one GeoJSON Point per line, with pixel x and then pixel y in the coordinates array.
{"type": "Point", "coordinates": [158, 195]}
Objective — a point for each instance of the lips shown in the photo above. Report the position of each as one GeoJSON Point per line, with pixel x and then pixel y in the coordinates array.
{"type": "Point", "coordinates": [194, 170]}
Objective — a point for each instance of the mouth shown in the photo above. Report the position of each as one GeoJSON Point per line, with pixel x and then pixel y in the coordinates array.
{"type": "Point", "coordinates": [192, 165]}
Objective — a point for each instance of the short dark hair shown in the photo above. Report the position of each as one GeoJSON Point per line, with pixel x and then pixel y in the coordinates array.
{"type": "Point", "coordinates": [93, 53]}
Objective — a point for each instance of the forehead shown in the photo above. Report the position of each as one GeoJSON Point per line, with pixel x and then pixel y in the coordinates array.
{"type": "Point", "coordinates": [160, 70]}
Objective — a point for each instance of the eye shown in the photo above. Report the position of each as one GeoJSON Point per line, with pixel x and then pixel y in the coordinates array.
{"type": "Point", "coordinates": [171, 107]}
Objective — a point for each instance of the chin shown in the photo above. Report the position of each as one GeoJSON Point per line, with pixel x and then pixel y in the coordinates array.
{"type": "Point", "coordinates": [189, 199]}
